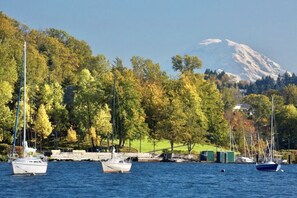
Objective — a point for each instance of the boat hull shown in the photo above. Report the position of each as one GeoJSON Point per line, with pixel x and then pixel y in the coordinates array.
{"type": "Point", "coordinates": [244, 160]}
{"type": "Point", "coordinates": [269, 167]}
{"type": "Point", "coordinates": [29, 166]}
{"type": "Point", "coordinates": [112, 166]}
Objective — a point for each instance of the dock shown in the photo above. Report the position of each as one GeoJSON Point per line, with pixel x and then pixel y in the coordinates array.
{"type": "Point", "coordinates": [82, 155]}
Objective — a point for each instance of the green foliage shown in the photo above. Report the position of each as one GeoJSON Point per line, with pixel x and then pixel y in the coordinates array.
{"type": "Point", "coordinates": [289, 94]}
{"type": "Point", "coordinates": [88, 98]}
{"type": "Point", "coordinates": [102, 122]}
{"type": "Point", "coordinates": [131, 124]}
{"type": "Point", "coordinates": [287, 126]}
{"type": "Point", "coordinates": [231, 97]}
{"type": "Point", "coordinates": [213, 108]}
{"type": "Point", "coordinates": [75, 88]}
{"type": "Point", "coordinates": [261, 107]}
{"type": "Point", "coordinates": [186, 63]}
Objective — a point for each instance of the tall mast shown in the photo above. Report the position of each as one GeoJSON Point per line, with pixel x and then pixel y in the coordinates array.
{"type": "Point", "coordinates": [25, 122]}
{"type": "Point", "coordinates": [113, 106]}
{"type": "Point", "coordinates": [113, 113]}
{"type": "Point", "coordinates": [271, 128]}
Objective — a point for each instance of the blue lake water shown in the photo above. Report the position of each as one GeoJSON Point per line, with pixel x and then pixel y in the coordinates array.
{"type": "Point", "coordinates": [85, 179]}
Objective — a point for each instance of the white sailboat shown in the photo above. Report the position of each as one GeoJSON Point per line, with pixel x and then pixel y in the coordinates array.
{"type": "Point", "coordinates": [28, 164]}
{"type": "Point", "coordinates": [117, 164]}
{"type": "Point", "coordinates": [270, 165]}
{"type": "Point", "coordinates": [246, 158]}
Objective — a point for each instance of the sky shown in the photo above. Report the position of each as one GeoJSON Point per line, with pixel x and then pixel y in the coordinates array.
{"type": "Point", "coordinates": [160, 29]}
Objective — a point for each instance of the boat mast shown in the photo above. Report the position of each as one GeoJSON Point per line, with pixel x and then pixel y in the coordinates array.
{"type": "Point", "coordinates": [113, 112]}
{"type": "Point", "coordinates": [24, 135]}
{"type": "Point", "coordinates": [271, 129]}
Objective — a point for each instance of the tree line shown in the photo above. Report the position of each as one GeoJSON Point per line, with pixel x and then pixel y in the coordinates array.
{"type": "Point", "coordinates": [71, 96]}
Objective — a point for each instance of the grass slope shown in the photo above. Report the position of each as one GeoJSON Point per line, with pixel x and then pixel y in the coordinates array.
{"type": "Point", "coordinates": [148, 146]}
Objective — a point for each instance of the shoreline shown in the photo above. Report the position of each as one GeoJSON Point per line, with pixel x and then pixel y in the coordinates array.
{"type": "Point", "coordinates": [82, 155]}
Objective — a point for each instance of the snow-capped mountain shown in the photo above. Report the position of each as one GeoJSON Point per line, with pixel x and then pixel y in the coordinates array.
{"type": "Point", "coordinates": [237, 59]}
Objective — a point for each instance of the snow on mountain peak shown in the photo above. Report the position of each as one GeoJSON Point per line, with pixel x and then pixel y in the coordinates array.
{"type": "Point", "coordinates": [210, 41]}
{"type": "Point", "coordinates": [235, 58]}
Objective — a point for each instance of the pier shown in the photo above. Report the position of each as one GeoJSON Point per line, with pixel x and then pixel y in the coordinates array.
{"type": "Point", "coordinates": [82, 155]}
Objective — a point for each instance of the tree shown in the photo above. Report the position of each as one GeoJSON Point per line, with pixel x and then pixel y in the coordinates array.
{"type": "Point", "coordinates": [62, 63]}
{"type": "Point", "coordinates": [89, 97]}
{"type": "Point", "coordinates": [152, 80]}
{"type": "Point", "coordinates": [194, 131]}
{"type": "Point", "coordinates": [213, 108]}
{"type": "Point", "coordinates": [6, 117]}
{"type": "Point", "coordinates": [102, 123]}
{"type": "Point", "coordinates": [131, 124]}
{"type": "Point", "coordinates": [182, 119]}
{"type": "Point", "coordinates": [231, 96]}
{"type": "Point", "coordinates": [8, 79]}
{"type": "Point", "coordinates": [289, 94]}
{"type": "Point", "coordinates": [286, 120]}
{"type": "Point", "coordinates": [37, 69]}
{"type": "Point", "coordinates": [261, 111]}
{"type": "Point", "coordinates": [71, 135]}
{"type": "Point", "coordinates": [97, 65]}
{"type": "Point", "coordinates": [173, 117]}
{"type": "Point", "coordinates": [42, 125]}
{"type": "Point", "coordinates": [9, 28]}
{"type": "Point", "coordinates": [51, 96]}
{"type": "Point", "coordinates": [186, 63]}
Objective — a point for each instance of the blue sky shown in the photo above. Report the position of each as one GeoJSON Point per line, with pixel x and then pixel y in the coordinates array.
{"type": "Point", "coordinates": [160, 29]}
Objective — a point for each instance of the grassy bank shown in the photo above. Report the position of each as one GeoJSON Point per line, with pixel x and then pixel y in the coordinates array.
{"type": "Point", "coordinates": [146, 146]}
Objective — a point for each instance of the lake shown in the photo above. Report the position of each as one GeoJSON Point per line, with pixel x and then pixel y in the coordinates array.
{"type": "Point", "coordinates": [85, 179]}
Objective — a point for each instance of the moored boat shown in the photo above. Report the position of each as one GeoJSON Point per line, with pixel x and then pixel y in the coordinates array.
{"type": "Point", "coordinates": [116, 164]}
{"type": "Point", "coordinates": [270, 165]}
{"type": "Point", "coordinates": [28, 164]}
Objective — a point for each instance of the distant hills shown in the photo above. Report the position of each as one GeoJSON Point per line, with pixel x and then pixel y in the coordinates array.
{"type": "Point", "coordinates": [236, 59]}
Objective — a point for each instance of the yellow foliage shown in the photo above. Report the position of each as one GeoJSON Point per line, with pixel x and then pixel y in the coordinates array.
{"type": "Point", "coordinates": [92, 132]}
{"type": "Point", "coordinates": [42, 124]}
{"type": "Point", "coordinates": [102, 121]}
{"type": "Point", "coordinates": [71, 135]}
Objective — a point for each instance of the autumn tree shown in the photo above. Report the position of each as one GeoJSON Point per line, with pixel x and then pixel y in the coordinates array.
{"type": "Point", "coordinates": [261, 111]}
{"type": "Point", "coordinates": [89, 97]}
{"type": "Point", "coordinates": [102, 125]}
{"type": "Point", "coordinates": [42, 125]}
{"type": "Point", "coordinates": [62, 63]}
{"type": "Point", "coordinates": [186, 63]}
{"type": "Point", "coordinates": [51, 95]}
{"type": "Point", "coordinates": [213, 108]}
{"type": "Point", "coordinates": [129, 112]}
{"type": "Point", "coordinates": [152, 80]}
{"type": "Point", "coordinates": [173, 117]}
{"type": "Point", "coordinates": [71, 135]}
{"type": "Point", "coordinates": [286, 120]}
{"type": "Point", "coordinates": [196, 124]}
{"type": "Point", "coordinates": [289, 94]}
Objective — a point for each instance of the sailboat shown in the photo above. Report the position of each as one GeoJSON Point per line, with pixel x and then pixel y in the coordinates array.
{"type": "Point", "coordinates": [28, 164]}
{"type": "Point", "coordinates": [247, 157]}
{"type": "Point", "coordinates": [117, 164]}
{"type": "Point", "coordinates": [269, 165]}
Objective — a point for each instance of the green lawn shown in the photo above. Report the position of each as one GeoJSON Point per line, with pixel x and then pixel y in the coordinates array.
{"type": "Point", "coordinates": [147, 146]}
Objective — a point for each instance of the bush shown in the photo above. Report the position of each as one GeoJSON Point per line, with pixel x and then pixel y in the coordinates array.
{"type": "Point", "coordinates": [5, 149]}
{"type": "Point", "coordinates": [3, 158]}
